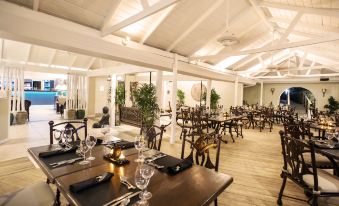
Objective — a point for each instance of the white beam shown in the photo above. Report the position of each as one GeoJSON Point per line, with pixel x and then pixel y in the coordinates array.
{"type": "Point", "coordinates": [273, 48]}
{"type": "Point", "coordinates": [21, 24]}
{"type": "Point", "coordinates": [29, 53]}
{"type": "Point", "coordinates": [309, 10]}
{"type": "Point", "coordinates": [261, 92]}
{"type": "Point", "coordinates": [260, 13]}
{"type": "Point", "coordinates": [108, 18]}
{"type": "Point", "coordinates": [208, 94]}
{"type": "Point", "coordinates": [174, 99]}
{"type": "Point", "coordinates": [155, 24]}
{"type": "Point", "coordinates": [290, 27]}
{"type": "Point", "coordinates": [35, 5]}
{"type": "Point", "coordinates": [90, 63]}
{"type": "Point", "coordinates": [51, 58]}
{"type": "Point", "coordinates": [135, 18]}
{"type": "Point", "coordinates": [144, 4]}
{"type": "Point", "coordinates": [202, 17]}
{"type": "Point", "coordinates": [72, 61]}
{"type": "Point", "coordinates": [236, 84]}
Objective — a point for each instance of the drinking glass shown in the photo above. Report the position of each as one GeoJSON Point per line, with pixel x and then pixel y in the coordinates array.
{"type": "Point", "coordinates": [105, 129]}
{"type": "Point", "coordinates": [141, 183]}
{"type": "Point", "coordinates": [67, 135]}
{"type": "Point", "coordinates": [58, 136]}
{"type": "Point", "coordinates": [139, 144]}
{"type": "Point", "coordinates": [147, 172]}
{"type": "Point", "coordinates": [83, 149]}
{"type": "Point", "coordinates": [91, 142]}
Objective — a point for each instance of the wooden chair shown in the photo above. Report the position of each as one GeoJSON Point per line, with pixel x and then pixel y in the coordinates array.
{"type": "Point", "coordinates": [70, 128]}
{"type": "Point", "coordinates": [200, 151]}
{"type": "Point", "coordinates": [315, 182]}
{"type": "Point", "coordinates": [154, 136]}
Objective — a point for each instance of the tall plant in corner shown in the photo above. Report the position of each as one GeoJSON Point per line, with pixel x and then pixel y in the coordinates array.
{"type": "Point", "coordinates": [332, 105]}
{"type": "Point", "coordinates": [214, 98]}
{"type": "Point", "coordinates": [146, 102]}
{"type": "Point", "coordinates": [180, 97]}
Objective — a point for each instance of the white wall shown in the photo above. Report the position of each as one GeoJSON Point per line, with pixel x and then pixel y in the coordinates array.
{"type": "Point", "coordinates": [252, 94]}
{"type": "Point", "coordinates": [97, 94]}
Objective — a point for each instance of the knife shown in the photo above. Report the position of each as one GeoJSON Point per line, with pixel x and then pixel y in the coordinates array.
{"type": "Point", "coordinates": [118, 198]}
{"type": "Point", "coordinates": [130, 196]}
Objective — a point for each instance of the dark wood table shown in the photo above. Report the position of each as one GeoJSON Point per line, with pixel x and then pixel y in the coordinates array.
{"type": "Point", "coordinates": [194, 186]}
{"type": "Point", "coordinates": [219, 120]}
{"type": "Point", "coordinates": [321, 129]}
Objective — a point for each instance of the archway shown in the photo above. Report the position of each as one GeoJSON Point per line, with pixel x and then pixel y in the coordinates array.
{"type": "Point", "coordinates": [298, 97]}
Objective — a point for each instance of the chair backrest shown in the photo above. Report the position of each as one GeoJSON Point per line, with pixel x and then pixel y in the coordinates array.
{"type": "Point", "coordinates": [68, 127]}
{"type": "Point", "coordinates": [154, 136]}
{"type": "Point", "coordinates": [200, 150]}
{"type": "Point", "coordinates": [294, 164]}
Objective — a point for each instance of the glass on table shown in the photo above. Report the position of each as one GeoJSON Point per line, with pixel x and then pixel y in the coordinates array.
{"type": "Point", "coordinates": [83, 149]}
{"type": "Point", "coordinates": [147, 172]}
{"type": "Point", "coordinates": [141, 183]}
{"type": "Point", "coordinates": [91, 142]}
{"type": "Point", "coordinates": [105, 129]}
{"type": "Point", "coordinates": [58, 134]}
{"type": "Point", "coordinates": [139, 144]}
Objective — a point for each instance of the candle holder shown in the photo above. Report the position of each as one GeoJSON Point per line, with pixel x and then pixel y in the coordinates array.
{"type": "Point", "coordinates": [116, 157]}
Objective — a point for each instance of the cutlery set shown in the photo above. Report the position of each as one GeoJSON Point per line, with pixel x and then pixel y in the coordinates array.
{"type": "Point", "coordinates": [65, 162]}
{"type": "Point", "coordinates": [124, 198]}
{"type": "Point", "coordinates": [150, 161]}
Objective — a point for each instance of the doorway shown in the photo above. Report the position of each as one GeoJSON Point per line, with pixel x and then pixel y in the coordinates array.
{"type": "Point", "coordinates": [297, 97]}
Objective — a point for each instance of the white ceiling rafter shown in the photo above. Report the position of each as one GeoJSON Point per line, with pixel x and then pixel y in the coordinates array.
{"type": "Point", "coordinates": [155, 25]}
{"type": "Point", "coordinates": [202, 17]}
{"type": "Point", "coordinates": [144, 4]}
{"type": "Point", "coordinates": [290, 28]}
{"type": "Point", "coordinates": [29, 54]}
{"type": "Point", "coordinates": [139, 16]}
{"type": "Point", "coordinates": [260, 13]}
{"type": "Point", "coordinates": [108, 18]}
{"type": "Point", "coordinates": [90, 63]}
{"type": "Point", "coordinates": [51, 59]}
{"type": "Point", "coordinates": [36, 5]}
{"type": "Point", "coordinates": [272, 48]}
{"type": "Point", "coordinates": [329, 29]}
{"type": "Point", "coordinates": [72, 61]}
{"type": "Point", "coordinates": [309, 10]}
{"type": "Point", "coordinates": [220, 33]}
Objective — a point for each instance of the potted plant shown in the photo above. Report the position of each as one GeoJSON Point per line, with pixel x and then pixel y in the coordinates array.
{"type": "Point", "coordinates": [119, 101]}
{"type": "Point", "coordinates": [214, 98]}
{"type": "Point", "coordinates": [332, 105]}
{"type": "Point", "coordinates": [21, 117]}
{"type": "Point", "coordinates": [146, 102]}
{"type": "Point", "coordinates": [80, 114]}
{"type": "Point", "coordinates": [180, 97]}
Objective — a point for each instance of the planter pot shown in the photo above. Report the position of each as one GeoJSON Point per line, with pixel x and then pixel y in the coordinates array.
{"type": "Point", "coordinates": [80, 114]}
{"type": "Point", "coordinates": [21, 117]}
{"type": "Point", "coordinates": [71, 114]}
{"type": "Point", "coordinates": [11, 120]}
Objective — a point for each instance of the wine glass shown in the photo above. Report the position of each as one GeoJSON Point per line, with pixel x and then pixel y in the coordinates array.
{"type": "Point", "coordinates": [91, 142]}
{"type": "Point", "coordinates": [58, 136]}
{"type": "Point", "coordinates": [141, 183]}
{"type": "Point", "coordinates": [147, 172]}
{"type": "Point", "coordinates": [139, 144]}
{"type": "Point", "coordinates": [105, 130]}
{"type": "Point", "coordinates": [83, 149]}
{"type": "Point", "coordinates": [67, 136]}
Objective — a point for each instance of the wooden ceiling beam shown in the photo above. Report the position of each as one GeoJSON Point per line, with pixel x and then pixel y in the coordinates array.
{"type": "Point", "coordinates": [139, 16]}
{"type": "Point", "coordinates": [202, 17]}
{"type": "Point", "coordinates": [308, 10]}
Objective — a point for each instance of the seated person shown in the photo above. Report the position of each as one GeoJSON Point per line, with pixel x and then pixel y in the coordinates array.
{"type": "Point", "coordinates": [61, 104]}
{"type": "Point", "coordinates": [104, 119]}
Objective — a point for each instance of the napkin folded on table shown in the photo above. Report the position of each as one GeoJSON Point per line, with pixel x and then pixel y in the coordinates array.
{"type": "Point", "coordinates": [91, 182]}
{"type": "Point", "coordinates": [181, 166]}
{"type": "Point", "coordinates": [57, 152]}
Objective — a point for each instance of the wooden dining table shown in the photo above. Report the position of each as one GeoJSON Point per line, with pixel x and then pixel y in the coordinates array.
{"type": "Point", "coordinates": [219, 120]}
{"type": "Point", "coordinates": [194, 186]}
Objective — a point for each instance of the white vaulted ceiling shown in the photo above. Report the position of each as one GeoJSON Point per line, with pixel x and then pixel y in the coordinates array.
{"type": "Point", "coordinates": [306, 33]}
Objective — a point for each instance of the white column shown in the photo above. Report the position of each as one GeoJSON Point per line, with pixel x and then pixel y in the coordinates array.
{"type": "Point", "coordinates": [288, 97]}
{"type": "Point", "coordinates": [208, 94]}
{"type": "Point", "coordinates": [159, 92]}
{"type": "Point", "coordinates": [22, 89]}
{"type": "Point", "coordinates": [236, 91]}
{"type": "Point", "coordinates": [112, 104]}
{"type": "Point", "coordinates": [174, 99]}
{"type": "Point", "coordinates": [261, 92]}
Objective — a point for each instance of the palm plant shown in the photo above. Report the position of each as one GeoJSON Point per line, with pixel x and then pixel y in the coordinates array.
{"type": "Point", "coordinates": [181, 97]}
{"type": "Point", "coordinates": [215, 97]}
{"type": "Point", "coordinates": [332, 105]}
{"type": "Point", "coordinates": [146, 102]}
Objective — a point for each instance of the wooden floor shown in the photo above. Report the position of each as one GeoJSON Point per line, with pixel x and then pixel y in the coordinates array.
{"type": "Point", "coordinates": [255, 163]}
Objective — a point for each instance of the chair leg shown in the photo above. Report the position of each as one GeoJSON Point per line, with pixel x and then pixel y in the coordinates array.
{"type": "Point", "coordinates": [57, 198]}
{"type": "Point", "coordinates": [216, 202]}
{"type": "Point", "coordinates": [282, 190]}
{"type": "Point", "coordinates": [315, 201]}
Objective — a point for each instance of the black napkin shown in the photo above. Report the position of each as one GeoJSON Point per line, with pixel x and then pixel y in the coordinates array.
{"type": "Point", "coordinates": [124, 144]}
{"type": "Point", "coordinates": [99, 142]}
{"type": "Point", "coordinates": [91, 182]}
{"type": "Point", "coordinates": [57, 152]}
{"type": "Point", "coordinates": [181, 166]}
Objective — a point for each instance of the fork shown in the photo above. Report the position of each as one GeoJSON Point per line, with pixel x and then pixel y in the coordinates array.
{"type": "Point", "coordinates": [124, 181]}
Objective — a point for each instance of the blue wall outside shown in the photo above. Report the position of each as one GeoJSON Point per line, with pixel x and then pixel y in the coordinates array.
{"type": "Point", "coordinates": [41, 98]}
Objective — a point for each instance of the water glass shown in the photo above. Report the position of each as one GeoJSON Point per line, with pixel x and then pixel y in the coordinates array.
{"type": "Point", "coordinates": [91, 141]}
{"type": "Point", "coordinates": [141, 183]}
{"type": "Point", "coordinates": [83, 149]}
{"type": "Point", "coordinates": [146, 172]}
{"type": "Point", "coordinates": [58, 134]}
{"type": "Point", "coordinates": [139, 144]}
{"type": "Point", "coordinates": [105, 129]}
